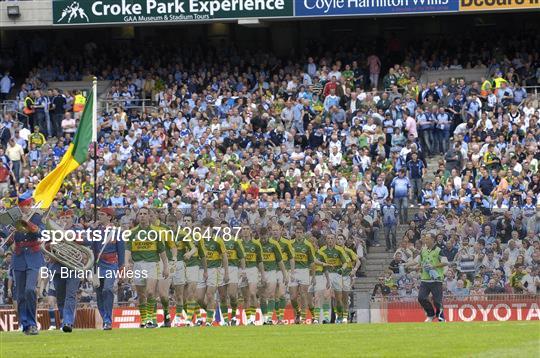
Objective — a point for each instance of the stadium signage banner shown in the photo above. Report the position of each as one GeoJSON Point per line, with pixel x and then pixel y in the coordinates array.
{"type": "Point", "coordinates": [469, 311]}
{"type": "Point", "coordinates": [85, 318]}
{"type": "Point", "coordinates": [81, 12]}
{"type": "Point", "coordinates": [372, 7]}
{"type": "Point", "coordinates": [483, 5]}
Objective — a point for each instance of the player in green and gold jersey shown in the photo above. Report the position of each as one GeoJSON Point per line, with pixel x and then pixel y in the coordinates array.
{"type": "Point", "coordinates": [142, 257]}
{"type": "Point", "coordinates": [237, 264]}
{"type": "Point", "coordinates": [348, 274]}
{"type": "Point", "coordinates": [166, 235]}
{"type": "Point", "coordinates": [196, 271]}
{"type": "Point", "coordinates": [320, 287]}
{"type": "Point", "coordinates": [185, 249]}
{"type": "Point", "coordinates": [287, 253]}
{"type": "Point", "coordinates": [337, 261]}
{"type": "Point", "coordinates": [304, 257]}
{"type": "Point", "coordinates": [254, 268]}
{"type": "Point", "coordinates": [272, 261]}
{"type": "Point", "coordinates": [213, 249]}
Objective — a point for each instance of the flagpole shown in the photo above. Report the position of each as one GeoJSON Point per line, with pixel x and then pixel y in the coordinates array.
{"type": "Point", "coordinates": [94, 140]}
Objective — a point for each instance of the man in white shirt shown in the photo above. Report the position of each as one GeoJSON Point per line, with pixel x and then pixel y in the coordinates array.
{"type": "Point", "coordinates": [335, 157]}
{"type": "Point", "coordinates": [6, 84]}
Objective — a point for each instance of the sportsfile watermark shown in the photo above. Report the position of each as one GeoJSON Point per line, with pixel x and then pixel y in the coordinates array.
{"type": "Point", "coordinates": [117, 233]}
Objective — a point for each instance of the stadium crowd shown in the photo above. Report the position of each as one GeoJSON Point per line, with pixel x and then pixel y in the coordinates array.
{"type": "Point", "coordinates": [322, 141]}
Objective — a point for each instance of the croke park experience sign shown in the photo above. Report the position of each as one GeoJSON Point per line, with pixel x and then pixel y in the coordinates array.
{"type": "Point", "coordinates": [70, 12]}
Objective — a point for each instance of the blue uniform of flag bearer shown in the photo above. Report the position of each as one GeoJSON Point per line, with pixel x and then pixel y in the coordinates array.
{"type": "Point", "coordinates": [27, 261]}
{"type": "Point", "coordinates": [66, 282]}
{"type": "Point", "coordinates": [110, 258]}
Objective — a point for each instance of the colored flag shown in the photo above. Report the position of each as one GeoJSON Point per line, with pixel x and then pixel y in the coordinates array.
{"type": "Point", "coordinates": [25, 199]}
{"type": "Point", "coordinates": [76, 154]}
{"type": "Point", "coordinates": [217, 315]}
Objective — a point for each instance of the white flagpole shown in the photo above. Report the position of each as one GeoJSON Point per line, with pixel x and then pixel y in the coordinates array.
{"type": "Point", "coordinates": [94, 140]}
{"type": "Point", "coordinates": [94, 110]}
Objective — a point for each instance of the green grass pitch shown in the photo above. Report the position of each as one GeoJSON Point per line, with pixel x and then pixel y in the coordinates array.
{"type": "Point", "coordinates": [508, 339]}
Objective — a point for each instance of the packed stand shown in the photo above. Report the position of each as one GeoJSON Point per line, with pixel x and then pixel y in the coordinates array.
{"type": "Point", "coordinates": [254, 132]}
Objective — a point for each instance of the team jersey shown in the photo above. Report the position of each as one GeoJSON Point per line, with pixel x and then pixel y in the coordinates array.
{"type": "Point", "coordinates": [143, 249]}
{"type": "Point", "coordinates": [183, 246]}
{"type": "Point", "coordinates": [212, 249]}
{"type": "Point", "coordinates": [335, 258]}
{"type": "Point", "coordinates": [352, 259]}
{"type": "Point", "coordinates": [319, 269]}
{"type": "Point", "coordinates": [271, 255]}
{"type": "Point", "coordinates": [304, 253]}
{"type": "Point", "coordinates": [165, 237]}
{"type": "Point", "coordinates": [235, 252]}
{"type": "Point", "coordinates": [287, 251]}
{"type": "Point", "coordinates": [253, 253]}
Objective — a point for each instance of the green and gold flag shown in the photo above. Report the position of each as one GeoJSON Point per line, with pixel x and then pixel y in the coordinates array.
{"type": "Point", "coordinates": [76, 154]}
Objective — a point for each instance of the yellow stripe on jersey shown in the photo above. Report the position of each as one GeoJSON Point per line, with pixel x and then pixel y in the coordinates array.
{"type": "Point", "coordinates": [213, 255]}
{"type": "Point", "coordinates": [251, 256]}
{"type": "Point", "coordinates": [144, 246]}
{"type": "Point", "coordinates": [269, 256]}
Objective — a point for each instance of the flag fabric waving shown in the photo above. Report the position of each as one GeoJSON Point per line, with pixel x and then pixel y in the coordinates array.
{"type": "Point", "coordinates": [76, 154]}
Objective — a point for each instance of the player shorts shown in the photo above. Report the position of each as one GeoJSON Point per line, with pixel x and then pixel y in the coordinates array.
{"type": "Point", "coordinates": [336, 281]}
{"type": "Point", "coordinates": [301, 277]}
{"type": "Point", "coordinates": [234, 275]}
{"type": "Point", "coordinates": [271, 277]}
{"type": "Point", "coordinates": [320, 283]}
{"type": "Point", "coordinates": [201, 282]}
{"type": "Point", "coordinates": [252, 275]}
{"type": "Point", "coordinates": [144, 270]}
{"type": "Point", "coordinates": [347, 283]}
{"type": "Point", "coordinates": [171, 270]}
{"type": "Point", "coordinates": [192, 274]}
{"type": "Point", "coordinates": [179, 275]}
{"type": "Point", "coordinates": [215, 277]}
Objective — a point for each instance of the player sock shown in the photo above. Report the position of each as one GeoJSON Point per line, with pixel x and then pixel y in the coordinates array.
{"type": "Point", "coordinates": [303, 314]}
{"type": "Point", "coordinates": [234, 306]}
{"type": "Point", "coordinates": [209, 316]}
{"type": "Point", "coordinates": [224, 312]}
{"type": "Point", "coordinates": [52, 318]}
{"type": "Point", "coordinates": [312, 312]}
{"type": "Point", "coordinates": [142, 311]}
{"type": "Point", "coordinates": [339, 312]}
{"type": "Point", "coordinates": [264, 307]}
{"type": "Point", "coordinates": [151, 309]}
{"type": "Point", "coordinates": [316, 313]}
{"type": "Point", "coordinates": [326, 311]}
{"type": "Point", "coordinates": [281, 307]}
{"type": "Point", "coordinates": [271, 307]}
{"type": "Point", "coordinates": [190, 309]}
{"type": "Point", "coordinates": [165, 304]}
{"type": "Point", "coordinates": [250, 312]}
{"type": "Point", "coordinates": [296, 307]}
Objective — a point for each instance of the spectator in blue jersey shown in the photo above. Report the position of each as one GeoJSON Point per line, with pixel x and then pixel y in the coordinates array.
{"type": "Point", "coordinates": [442, 131]}
{"type": "Point", "coordinates": [416, 169]}
{"type": "Point", "coordinates": [390, 219]}
{"type": "Point", "coordinates": [400, 192]}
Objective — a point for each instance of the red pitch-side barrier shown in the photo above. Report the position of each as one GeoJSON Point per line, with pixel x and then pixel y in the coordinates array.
{"type": "Point", "coordinates": [129, 317]}
{"type": "Point", "coordinates": [85, 318]}
{"type": "Point", "coordinates": [504, 308]}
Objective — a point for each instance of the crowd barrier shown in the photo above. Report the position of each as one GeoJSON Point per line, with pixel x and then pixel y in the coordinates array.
{"type": "Point", "coordinates": [85, 318]}
{"type": "Point", "coordinates": [500, 308]}
{"type": "Point", "coordinates": [481, 308]}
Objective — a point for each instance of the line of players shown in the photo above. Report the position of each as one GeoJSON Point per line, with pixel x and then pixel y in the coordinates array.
{"type": "Point", "coordinates": [263, 269]}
